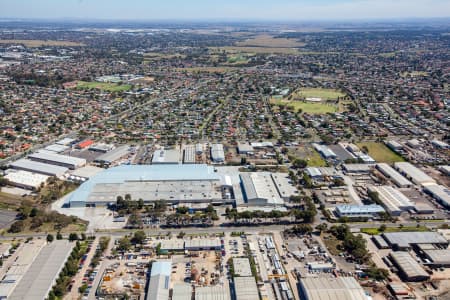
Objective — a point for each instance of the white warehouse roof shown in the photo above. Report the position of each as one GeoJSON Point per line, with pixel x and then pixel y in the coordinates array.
{"type": "Point", "coordinates": [392, 199]}
{"type": "Point", "coordinates": [416, 175]}
{"type": "Point", "coordinates": [27, 179]}
{"type": "Point", "coordinates": [324, 288]}
{"type": "Point", "coordinates": [38, 167]}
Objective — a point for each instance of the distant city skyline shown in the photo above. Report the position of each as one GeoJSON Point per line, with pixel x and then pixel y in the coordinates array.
{"type": "Point", "coordinates": [296, 10]}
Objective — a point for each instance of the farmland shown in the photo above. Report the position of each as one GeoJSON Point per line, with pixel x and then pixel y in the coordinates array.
{"type": "Point", "coordinates": [269, 41]}
{"type": "Point", "coordinates": [42, 43]}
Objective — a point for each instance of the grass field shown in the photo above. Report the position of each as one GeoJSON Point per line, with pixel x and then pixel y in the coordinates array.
{"type": "Point", "coordinates": [265, 40]}
{"type": "Point", "coordinates": [42, 43]}
{"type": "Point", "coordinates": [238, 59]}
{"type": "Point", "coordinates": [315, 160]}
{"type": "Point", "coordinates": [380, 152]}
{"type": "Point", "coordinates": [375, 231]}
{"type": "Point", "coordinates": [315, 108]}
{"type": "Point", "coordinates": [109, 87]}
{"type": "Point", "coordinates": [324, 94]}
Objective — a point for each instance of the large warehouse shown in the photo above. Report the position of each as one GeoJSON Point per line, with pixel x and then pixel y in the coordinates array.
{"type": "Point", "coordinates": [217, 153]}
{"type": "Point", "coordinates": [325, 288]}
{"type": "Point", "coordinates": [171, 183]}
{"type": "Point", "coordinates": [393, 200]}
{"type": "Point", "coordinates": [58, 159]}
{"type": "Point", "coordinates": [414, 174]}
{"type": "Point", "coordinates": [408, 268]}
{"type": "Point", "coordinates": [159, 285]}
{"type": "Point", "coordinates": [26, 180]}
{"type": "Point", "coordinates": [393, 175]}
{"type": "Point", "coordinates": [405, 240]}
{"type": "Point", "coordinates": [259, 189]}
{"type": "Point", "coordinates": [38, 167]}
{"type": "Point", "coordinates": [440, 193]}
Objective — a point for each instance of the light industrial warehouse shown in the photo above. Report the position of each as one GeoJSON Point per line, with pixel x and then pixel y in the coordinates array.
{"type": "Point", "coordinates": [159, 285]}
{"type": "Point", "coordinates": [324, 288]}
{"type": "Point", "coordinates": [393, 175]}
{"type": "Point", "coordinates": [58, 159]}
{"type": "Point", "coordinates": [38, 167]}
{"type": "Point", "coordinates": [393, 200]}
{"type": "Point", "coordinates": [180, 183]}
{"type": "Point", "coordinates": [414, 174]}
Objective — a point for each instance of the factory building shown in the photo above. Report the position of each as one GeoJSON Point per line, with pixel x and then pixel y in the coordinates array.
{"type": "Point", "coordinates": [342, 288]}
{"type": "Point", "coordinates": [217, 153]}
{"type": "Point", "coordinates": [393, 175]}
{"type": "Point", "coordinates": [406, 240]}
{"type": "Point", "coordinates": [199, 149]}
{"type": "Point", "coordinates": [414, 174]}
{"type": "Point", "coordinates": [394, 145]}
{"type": "Point", "coordinates": [358, 168]}
{"type": "Point", "coordinates": [212, 244]}
{"type": "Point", "coordinates": [440, 193]}
{"type": "Point", "coordinates": [114, 155]}
{"type": "Point", "coordinates": [42, 274]}
{"type": "Point", "coordinates": [159, 285]}
{"type": "Point", "coordinates": [189, 154]}
{"type": "Point", "coordinates": [171, 157]}
{"type": "Point", "coordinates": [57, 148]}
{"type": "Point", "coordinates": [409, 269]}
{"type": "Point", "coordinates": [393, 200]}
{"type": "Point", "coordinates": [445, 170]}
{"type": "Point", "coordinates": [52, 158]}
{"type": "Point", "coordinates": [326, 152]}
{"type": "Point", "coordinates": [101, 147]}
{"type": "Point", "coordinates": [245, 148]}
{"type": "Point", "coordinates": [26, 180]}
{"type": "Point", "coordinates": [172, 183]}
{"type": "Point", "coordinates": [357, 211]}
{"type": "Point", "coordinates": [259, 189]}
{"type": "Point", "coordinates": [212, 292]}
{"type": "Point", "coordinates": [182, 291]}
{"type": "Point", "coordinates": [66, 141]}
{"type": "Point", "coordinates": [245, 288]}
{"type": "Point", "coordinates": [241, 266]}
{"type": "Point", "coordinates": [38, 167]}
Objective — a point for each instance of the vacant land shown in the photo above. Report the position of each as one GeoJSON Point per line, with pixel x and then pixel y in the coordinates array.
{"type": "Point", "coordinates": [375, 231]}
{"type": "Point", "coordinates": [257, 50]}
{"type": "Point", "coordinates": [309, 154]}
{"type": "Point", "coordinates": [318, 93]}
{"type": "Point", "coordinates": [315, 108]}
{"type": "Point", "coordinates": [269, 41]}
{"type": "Point", "coordinates": [380, 152]}
{"type": "Point", "coordinates": [109, 87]}
{"type": "Point", "coordinates": [42, 43]}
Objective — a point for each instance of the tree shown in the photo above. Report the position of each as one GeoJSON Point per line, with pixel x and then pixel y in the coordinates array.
{"type": "Point", "coordinates": [321, 227]}
{"type": "Point", "coordinates": [17, 226]}
{"type": "Point", "coordinates": [50, 238]}
{"type": "Point", "coordinates": [299, 163]}
{"type": "Point", "coordinates": [59, 236]}
{"type": "Point", "coordinates": [73, 237]}
{"type": "Point", "coordinates": [382, 228]}
{"type": "Point", "coordinates": [139, 237]}
{"type": "Point", "coordinates": [124, 244]}
{"type": "Point", "coordinates": [140, 203]}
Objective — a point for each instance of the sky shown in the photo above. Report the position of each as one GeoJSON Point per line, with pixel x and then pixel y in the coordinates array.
{"type": "Point", "coordinates": [293, 10]}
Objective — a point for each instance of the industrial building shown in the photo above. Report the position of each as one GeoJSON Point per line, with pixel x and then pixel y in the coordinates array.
{"type": "Point", "coordinates": [40, 277]}
{"type": "Point", "coordinates": [189, 154]}
{"type": "Point", "coordinates": [199, 149]}
{"type": "Point", "coordinates": [241, 266]}
{"type": "Point", "coordinates": [215, 292]}
{"type": "Point", "coordinates": [26, 180]}
{"type": "Point", "coordinates": [38, 167]}
{"type": "Point", "coordinates": [182, 291]}
{"type": "Point", "coordinates": [171, 183]}
{"type": "Point", "coordinates": [259, 189]}
{"type": "Point", "coordinates": [409, 269]}
{"type": "Point", "coordinates": [57, 148]}
{"type": "Point", "coordinates": [101, 147]}
{"type": "Point", "coordinates": [217, 153]}
{"type": "Point", "coordinates": [405, 240]}
{"type": "Point", "coordinates": [245, 288]}
{"type": "Point", "coordinates": [212, 244]}
{"type": "Point", "coordinates": [393, 175]}
{"type": "Point", "coordinates": [358, 168]}
{"type": "Point", "coordinates": [284, 185]}
{"type": "Point", "coordinates": [393, 200]}
{"type": "Point", "coordinates": [394, 145]}
{"type": "Point", "coordinates": [113, 155]}
{"type": "Point", "coordinates": [66, 141]}
{"type": "Point", "coordinates": [355, 211]}
{"type": "Point", "coordinates": [327, 288]}
{"type": "Point", "coordinates": [437, 257]}
{"type": "Point", "coordinates": [52, 158]}
{"type": "Point", "coordinates": [245, 148]}
{"type": "Point", "coordinates": [159, 285]}
{"type": "Point", "coordinates": [326, 152]}
{"type": "Point", "coordinates": [414, 174]}
{"type": "Point", "coordinates": [440, 193]}
{"type": "Point", "coordinates": [445, 170]}
{"type": "Point", "coordinates": [84, 173]}
{"type": "Point", "coordinates": [169, 156]}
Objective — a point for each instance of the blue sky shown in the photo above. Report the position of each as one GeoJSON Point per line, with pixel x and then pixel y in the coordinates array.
{"type": "Point", "coordinates": [225, 9]}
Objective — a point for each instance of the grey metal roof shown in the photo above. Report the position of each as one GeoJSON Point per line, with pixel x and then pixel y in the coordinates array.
{"type": "Point", "coordinates": [166, 157]}
{"type": "Point", "coordinates": [38, 167]}
{"type": "Point", "coordinates": [440, 192]}
{"type": "Point", "coordinates": [217, 153]}
{"type": "Point", "coordinates": [241, 266]}
{"type": "Point", "coordinates": [245, 288]}
{"type": "Point", "coordinates": [42, 274]}
{"type": "Point", "coordinates": [113, 155]}
{"type": "Point", "coordinates": [416, 174]}
{"type": "Point", "coordinates": [57, 158]}
{"type": "Point", "coordinates": [405, 239]}
{"type": "Point", "coordinates": [159, 285]}
{"type": "Point", "coordinates": [212, 293]}
{"type": "Point", "coordinates": [396, 177]}
{"type": "Point", "coordinates": [438, 256]}
{"type": "Point", "coordinates": [407, 265]}
{"type": "Point", "coordinates": [325, 288]}
{"type": "Point", "coordinates": [182, 291]}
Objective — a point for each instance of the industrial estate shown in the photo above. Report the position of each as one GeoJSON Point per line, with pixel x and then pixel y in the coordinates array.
{"type": "Point", "coordinates": [224, 161]}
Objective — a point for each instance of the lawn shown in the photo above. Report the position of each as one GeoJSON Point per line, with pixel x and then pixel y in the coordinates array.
{"type": "Point", "coordinates": [324, 94]}
{"type": "Point", "coordinates": [315, 160]}
{"type": "Point", "coordinates": [380, 152]}
{"type": "Point", "coordinates": [104, 86]}
{"type": "Point", "coordinates": [376, 231]}
{"type": "Point", "coordinates": [265, 40]}
{"type": "Point", "coordinates": [314, 108]}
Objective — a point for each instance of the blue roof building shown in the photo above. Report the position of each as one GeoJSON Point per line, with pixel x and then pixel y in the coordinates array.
{"type": "Point", "coordinates": [359, 210]}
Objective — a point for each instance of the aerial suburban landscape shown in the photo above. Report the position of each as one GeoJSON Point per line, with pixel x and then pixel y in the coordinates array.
{"type": "Point", "coordinates": [224, 159]}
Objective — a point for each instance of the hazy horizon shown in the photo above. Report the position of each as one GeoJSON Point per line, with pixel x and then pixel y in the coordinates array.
{"type": "Point", "coordinates": [231, 10]}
